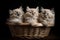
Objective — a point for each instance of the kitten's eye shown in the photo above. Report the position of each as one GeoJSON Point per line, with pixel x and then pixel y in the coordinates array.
{"type": "Point", "coordinates": [17, 13]}
{"type": "Point", "coordinates": [30, 12]}
{"type": "Point", "coordinates": [43, 13]}
{"type": "Point", "coordinates": [47, 14]}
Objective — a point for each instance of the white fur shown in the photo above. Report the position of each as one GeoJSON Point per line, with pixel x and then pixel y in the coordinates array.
{"type": "Point", "coordinates": [31, 16]}
{"type": "Point", "coordinates": [14, 17]}
{"type": "Point", "coordinates": [50, 17]}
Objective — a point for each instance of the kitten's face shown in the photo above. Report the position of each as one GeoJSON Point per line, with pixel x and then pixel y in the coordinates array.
{"type": "Point", "coordinates": [47, 13]}
{"type": "Point", "coordinates": [32, 10]}
{"type": "Point", "coordinates": [16, 12]}
{"type": "Point", "coordinates": [48, 17]}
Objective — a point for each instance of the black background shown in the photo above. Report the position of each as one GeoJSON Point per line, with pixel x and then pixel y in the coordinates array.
{"type": "Point", "coordinates": [12, 4]}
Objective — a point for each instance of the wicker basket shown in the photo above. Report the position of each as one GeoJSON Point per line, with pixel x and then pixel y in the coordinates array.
{"type": "Point", "coordinates": [28, 31]}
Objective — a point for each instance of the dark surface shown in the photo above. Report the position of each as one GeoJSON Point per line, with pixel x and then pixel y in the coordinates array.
{"type": "Point", "coordinates": [12, 4]}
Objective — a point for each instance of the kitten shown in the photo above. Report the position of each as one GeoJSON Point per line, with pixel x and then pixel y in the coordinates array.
{"type": "Point", "coordinates": [47, 17]}
{"type": "Point", "coordinates": [31, 16]}
{"type": "Point", "coordinates": [16, 15]}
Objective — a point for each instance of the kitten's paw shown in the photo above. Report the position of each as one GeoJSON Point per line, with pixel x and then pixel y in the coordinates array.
{"type": "Point", "coordinates": [37, 24]}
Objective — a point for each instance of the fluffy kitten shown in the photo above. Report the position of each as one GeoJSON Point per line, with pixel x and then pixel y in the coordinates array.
{"type": "Point", "coordinates": [47, 17]}
{"type": "Point", "coordinates": [16, 15]}
{"type": "Point", "coordinates": [31, 16]}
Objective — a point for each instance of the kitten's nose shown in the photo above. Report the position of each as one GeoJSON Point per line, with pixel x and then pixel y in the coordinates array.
{"type": "Point", "coordinates": [32, 11]}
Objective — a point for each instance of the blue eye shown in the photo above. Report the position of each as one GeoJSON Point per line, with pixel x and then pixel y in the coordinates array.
{"type": "Point", "coordinates": [17, 13]}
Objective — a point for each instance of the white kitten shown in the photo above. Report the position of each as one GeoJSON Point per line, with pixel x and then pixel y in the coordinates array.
{"type": "Point", "coordinates": [31, 16]}
{"type": "Point", "coordinates": [16, 15]}
{"type": "Point", "coordinates": [47, 17]}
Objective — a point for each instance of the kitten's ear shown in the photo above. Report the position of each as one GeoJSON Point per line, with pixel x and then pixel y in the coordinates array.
{"type": "Point", "coordinates": [42, 8]}
{"type": "Point", "coordinates": [27, 8]}
{"type": "Point", "coordinates": [10, 11]}
{"type": "Point", "coordinates": [52, 10]}
{"type": "Point", "coordinates": [37, 8]}
{"type": "Point", "coordinates": [20, 7]}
